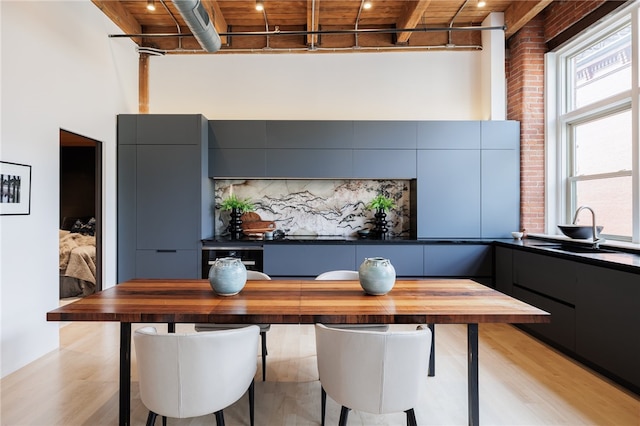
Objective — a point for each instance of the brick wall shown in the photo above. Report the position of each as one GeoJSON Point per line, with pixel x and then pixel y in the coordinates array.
{"type": "Point", "coordinates": [560, 15]}
{"type": "Point", "coordinates": [525, 99]}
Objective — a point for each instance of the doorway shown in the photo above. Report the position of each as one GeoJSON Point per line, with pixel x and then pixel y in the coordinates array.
{"type": "Point", "coordinates": [80, 210]}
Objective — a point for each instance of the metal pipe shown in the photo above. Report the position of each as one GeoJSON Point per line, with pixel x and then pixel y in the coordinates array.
{"type": "Point", "coordinates": [176, 22]}
{"type": "Point", "coordinates": [266, 25]}
{"type": "Point", "coordinates": [358, 20]}
{"type": "Point", "coordinates": [321, 32]}
{"type": "Point", "coordinates": [454, 18]}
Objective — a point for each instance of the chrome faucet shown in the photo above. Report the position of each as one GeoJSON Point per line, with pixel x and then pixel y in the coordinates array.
{"type": "Point", "coordinates": [596, 240]}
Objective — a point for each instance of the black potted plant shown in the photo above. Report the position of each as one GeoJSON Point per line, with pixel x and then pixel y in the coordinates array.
{"type": "Point", "coordinates": [381, 204]}
{"type": "Point", "coordinates": [236, 206]}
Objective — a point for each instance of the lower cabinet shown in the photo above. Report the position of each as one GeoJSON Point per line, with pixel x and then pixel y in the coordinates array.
{"type": "Point", "coordinates": [457, 260]}
{"type": "Point", "coordinates": [562, 329]}
{"type": "Point", "coordinates": [307, 260]}
{"type": "Point", "coordinates": [608, 321]}
{"type": "Point", "coordinates": [595, 311]}
{"type": "Point", "coordinates": [167, 264]}
{"type": "Point", "coordinates": [550, 284]}
{"type": "Point", "coordinates": [503, 272]}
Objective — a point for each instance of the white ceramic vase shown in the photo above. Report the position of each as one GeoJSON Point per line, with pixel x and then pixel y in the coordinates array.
{"type": "Point", "coordinates": [227, 276]}
{"type": "Point", "coordinates": [377, 275]}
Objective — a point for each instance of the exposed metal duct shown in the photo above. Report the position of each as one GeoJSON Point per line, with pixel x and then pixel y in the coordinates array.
{"type": "Point", "coordinates": [199, 23]}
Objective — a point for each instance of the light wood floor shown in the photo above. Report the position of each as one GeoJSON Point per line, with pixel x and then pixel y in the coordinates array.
{"type": "Point", "coordinates": [522, 382]}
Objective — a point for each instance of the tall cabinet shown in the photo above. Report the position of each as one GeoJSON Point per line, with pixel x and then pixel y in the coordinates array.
{"type": "Point", "coordinates": [164, 195]}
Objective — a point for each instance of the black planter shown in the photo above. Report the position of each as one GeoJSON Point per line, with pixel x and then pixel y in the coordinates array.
{"type": "Point", "coordinates": [235, 224]}
{"type": "Point", "coordinates": [381, 229]}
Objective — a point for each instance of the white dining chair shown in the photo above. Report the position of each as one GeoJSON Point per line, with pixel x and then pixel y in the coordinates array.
{"type": "Point", "coordinates": [342, 274]}
{"type": "Point", "coordinates": [353, 275]}
{"type": "Point", "coordinates": [183, 375]}
{"type": "Point", "coordinates": [374, 372]}
{"type": "Point", "coordinates": [251, 275]}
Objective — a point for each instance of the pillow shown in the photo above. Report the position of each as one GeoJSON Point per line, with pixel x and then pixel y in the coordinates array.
{"type": "Point", "coordinates": [88, 228]}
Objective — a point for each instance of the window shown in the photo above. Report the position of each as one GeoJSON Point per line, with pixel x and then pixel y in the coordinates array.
{"type": "Point", "coordinates": [593, 160]}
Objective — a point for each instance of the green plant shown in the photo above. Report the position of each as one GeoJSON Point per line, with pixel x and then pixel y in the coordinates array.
{"type": "Point", "coordinates": [233, 202]}
{"type": "Point", "coordinates": [381, 202]}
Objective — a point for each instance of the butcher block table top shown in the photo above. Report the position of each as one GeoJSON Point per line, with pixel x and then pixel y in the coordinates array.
{"type": "Point", "coordinates": [438, 301]}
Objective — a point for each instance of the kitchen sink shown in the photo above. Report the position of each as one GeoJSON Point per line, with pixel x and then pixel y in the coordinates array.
{"type": "Point", "coordinates": [577, 249]}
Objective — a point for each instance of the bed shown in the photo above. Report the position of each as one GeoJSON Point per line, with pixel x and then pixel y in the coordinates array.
{"type": "Point", "coordinates": [77, 257]}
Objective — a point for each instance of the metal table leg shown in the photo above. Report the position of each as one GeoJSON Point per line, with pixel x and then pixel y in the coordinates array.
{"type": "Point", "coordinates": [472, 352]}
{"type": "Point", "coordinates": [125, 373]}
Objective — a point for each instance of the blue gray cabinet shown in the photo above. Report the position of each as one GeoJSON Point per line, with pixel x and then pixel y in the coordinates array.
{"type": "Point", "coordinates": [302, 134]}
{"type": "Point", "coordinates": [237, 148]}
{"type": "Point", "coordinates": [384, 164]}
{"type": "Point", "coordinates": [241, 163]}
{"type": "Point", "coordinates": [457, 260]}
{"type": "Point", "coordinates": [467, 173]}
{"type": "Point", "coordinates": [385, 134]}
{"type": "Point", "coordinates": [164, 196]}
{"type": "Point", "coordinates": [448, 135]}
{"type": "Point", "coordinates": [500, 192]}
{"type": "Point", "coordinates": [448, 194]}
{"type": "Point", "coordinates": [468, 179]}
{"type": "Point", "coordinates": [307, 260]}
{"type": "Point", "coordinates": [310, 163]}
{"type": "Point", "coordinates": [247, 134]}
{"type": "Point", "coordinates": [406, 259]}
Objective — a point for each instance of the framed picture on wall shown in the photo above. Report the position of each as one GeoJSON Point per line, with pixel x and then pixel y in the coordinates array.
{"type": "Point", "coordinates": [15, 188]}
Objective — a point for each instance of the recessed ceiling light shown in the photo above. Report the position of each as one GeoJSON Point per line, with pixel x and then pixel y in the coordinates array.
{"type": "Point", "coordinates": [366, 5]}
{"type": "Point", "coordinates": [151, 5]}
{"type": "Point", "coordinates": [482, 3]}
{"type": "Point", "coordinates": [259, 5]}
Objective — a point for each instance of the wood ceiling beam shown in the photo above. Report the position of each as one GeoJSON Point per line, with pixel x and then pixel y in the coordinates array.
{"type": "Point", "coordinates": [520, 12]}
{"type": "Point", "coordinates": [121, 17]}
{"type": "Point", "coordinates": [215, 14]}
{"type": "Point", "coordinates": [414, 10]}
{"type": "Point", "coordinates": [313, 21]}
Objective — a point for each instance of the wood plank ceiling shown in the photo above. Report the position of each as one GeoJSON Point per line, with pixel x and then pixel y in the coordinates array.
{"type": "Point", "coordinates": [319, 25]}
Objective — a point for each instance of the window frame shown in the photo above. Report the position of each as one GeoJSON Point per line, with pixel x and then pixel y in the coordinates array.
{"type": "Point", "coordinates": [560, 123]}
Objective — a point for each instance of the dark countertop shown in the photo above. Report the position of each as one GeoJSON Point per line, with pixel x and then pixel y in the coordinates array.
{"type": "Point", "coordinates": [337, 239]}
{"type": "Point", "coordinates": [608, 256]}
{"type": "Point", "coordinates": [625, 259]}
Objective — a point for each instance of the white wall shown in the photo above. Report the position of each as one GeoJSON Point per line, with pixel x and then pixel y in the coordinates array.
{"type": "Point", "coordinates": [438, 85]}
{"type": "Point", "coordinates": [59, 71]}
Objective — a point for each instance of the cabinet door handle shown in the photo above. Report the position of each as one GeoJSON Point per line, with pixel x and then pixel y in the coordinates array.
{"type": "Point", "coordinates": [166, 251]}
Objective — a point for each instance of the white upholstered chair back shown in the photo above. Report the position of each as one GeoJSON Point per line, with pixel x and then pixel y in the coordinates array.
{"type": "Point", "coordinates": [185, 375]}
{"type": "Point", "coordinates": [338, 275]}
{"type": "Point", "coordinates": [371, 371]}
{"type": "Point", "coordinates": [255, 275]}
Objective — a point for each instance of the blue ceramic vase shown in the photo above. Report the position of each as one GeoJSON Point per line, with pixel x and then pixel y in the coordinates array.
{"type": "Point", "coordinates": [227, 276]}
{"type": "Point", "coordinates": [377, 275]}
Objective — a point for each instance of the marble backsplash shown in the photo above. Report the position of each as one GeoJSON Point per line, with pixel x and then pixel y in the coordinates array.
{"type": "Point", "coordinates": [317, 206]}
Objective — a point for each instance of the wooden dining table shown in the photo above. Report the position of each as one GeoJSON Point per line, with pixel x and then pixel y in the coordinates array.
{"type": "Point", "coordinates": [294, 301]}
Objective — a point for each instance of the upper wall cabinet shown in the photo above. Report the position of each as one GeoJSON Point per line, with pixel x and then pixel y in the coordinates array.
{"type": "Point", "coordinates": [165, 129]}
{"type": "Point", "coordinates": [385, 134]}
{"type": "Point", "coordinates": [449, 135]}
{"type": "Point", "coordinates": [384, 163]}
{"type": "Point", "coordinates": [310, 163]}
{"type": "Point", "coordinates": [251, 134]}
{"type": "Point", "coordinates": [310, 134]}
{"type": "Point", "coordinates": [500, 134]}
